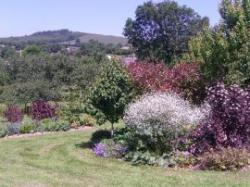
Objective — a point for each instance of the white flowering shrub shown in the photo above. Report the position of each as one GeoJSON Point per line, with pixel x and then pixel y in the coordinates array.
{"type": "Point", "coordinates": [162, 112]}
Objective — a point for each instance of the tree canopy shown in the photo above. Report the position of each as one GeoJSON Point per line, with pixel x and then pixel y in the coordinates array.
{"type": "Point", "coordinates": [161, 31]}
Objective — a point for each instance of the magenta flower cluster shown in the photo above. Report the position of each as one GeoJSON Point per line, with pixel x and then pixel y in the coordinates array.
{"type": "Point", "coordinates": [42, 109]}
{"type": "Point", "coordinates": [13, 114]}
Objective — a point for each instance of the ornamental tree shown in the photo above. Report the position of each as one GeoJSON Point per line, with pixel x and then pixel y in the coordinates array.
{"type": "Point", "coordinates": [111, 93]}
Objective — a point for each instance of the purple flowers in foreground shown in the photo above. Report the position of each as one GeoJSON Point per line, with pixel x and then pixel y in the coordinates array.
{"type": "Point", "coordinates": [100, 149]}
{"type": "Point", "coordinates": [109, 149]}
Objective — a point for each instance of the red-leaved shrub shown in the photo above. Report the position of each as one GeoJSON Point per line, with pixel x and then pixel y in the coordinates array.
{"type": "Point", "coordinates": [13, 114]}
{"type": "Point", "coordinates": [183, 78]}
{"type": "Point", "coordinates": [42, 109]}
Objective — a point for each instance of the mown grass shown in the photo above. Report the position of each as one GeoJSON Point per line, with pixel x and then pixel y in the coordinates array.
{"type": "Point", "coordinates": [63, 160]}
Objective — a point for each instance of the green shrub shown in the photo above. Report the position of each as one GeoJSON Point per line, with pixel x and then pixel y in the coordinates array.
{"type": "Point", "coordinates": [50, 125]}
{"type": "Point", "coordinates": [3, 131]}
{"type": "Point", "coordinates": [27, 128]}
{"type": "Point", "coordinates": [182, 159]}
{"type": "Point", "coordinates": [88, 120]}
{"type": "Point", "coordinates": [147, 150]}
{"type": "Point", "coordinates": [71, 111]}
{"type": "Point", "coordinates": [141, 149]}
{"type": "Point", "coordinates": [225, 159]}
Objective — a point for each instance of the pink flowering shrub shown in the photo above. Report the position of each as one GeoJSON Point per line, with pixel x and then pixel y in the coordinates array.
{"type": "Point", "coordinates": [13, 114]}
{"type": "Point", "coordinates": [184, 78]}
{"type": "Point", "coordinates": [42, 109]}
{"type": "Point", "coordinates": [229, 122]}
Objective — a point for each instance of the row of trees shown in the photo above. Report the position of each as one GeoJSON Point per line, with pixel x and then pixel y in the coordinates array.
{"type": "Point", "coordinates": [27, 79]}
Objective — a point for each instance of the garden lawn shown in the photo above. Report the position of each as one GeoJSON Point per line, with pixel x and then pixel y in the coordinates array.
{"type": "Point", "coordinates": [62, 159]}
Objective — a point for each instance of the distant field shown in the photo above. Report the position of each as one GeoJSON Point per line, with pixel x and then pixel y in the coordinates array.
{"type": "Point", "coordinates": [62, 160]}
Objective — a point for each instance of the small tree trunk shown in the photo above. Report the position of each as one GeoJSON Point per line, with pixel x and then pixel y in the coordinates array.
{"type": "Point", "coordinates": [25, 108]}
{"type": "Point", "coordinates": [112, 130]}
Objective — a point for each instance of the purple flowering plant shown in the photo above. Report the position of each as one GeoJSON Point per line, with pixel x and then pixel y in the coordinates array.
{"type": "Point", "coordinates": [100, 150]}
{"type": "Point", "coordinates": [229, 121]}
{"type": "Point", "coordinates": [109, 148]}
{"type": "Point", "coordinates": [13, 114]}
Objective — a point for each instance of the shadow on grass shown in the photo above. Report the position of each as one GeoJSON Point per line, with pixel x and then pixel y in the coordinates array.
{"type": "Point", "coordinates": [96, 137]}
{"type": "Point", "coordinates": [84, 145]}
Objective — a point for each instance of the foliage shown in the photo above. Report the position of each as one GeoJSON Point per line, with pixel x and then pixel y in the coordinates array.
{"type": "Point", "coordinates": [87, 120]}
{"type": "Point", "coordinates": [161, 31]}
{"type": "Point", "coordinates": [42, 109]}
{"type": "Point", "coordinates": [182, 159]}
{"type": "Point", "coordinates": [183, 78]}
{"type": "Point", "coordinates": [3, 131]}
{"type": "Point", "coordinates": [13, 114]}
{"type": "Point", "coordinates": [43, 77]}
{"type": "Point", "coordinates": [27, 128]}
{"type": "Point", "coordinates": [32, 50]}
{"type": "Point", "coordinates": [108, 148]}
{"type": "Point", "coordinates": [146, 150]}
{"type": "Point", "coordinates": [224, 50]}
{"type": "Point", "coordinates": [110, 94]}
{"type": "Point", "coordinates": [29, 91]}
{"type": "Point", "coordinates": [51, 125]}
{"type": "Point", "coordinates": [71, 111]}
{"type": "Point", "coordinates": [141, 148]}
{"type": "Point", "coordinates": [225, 159]}
{"type": "Point", "coordinates": [228, 124]}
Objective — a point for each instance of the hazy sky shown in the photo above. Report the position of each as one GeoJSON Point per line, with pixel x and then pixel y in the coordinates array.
{"type": "Point", "coordinates": [20, 17]}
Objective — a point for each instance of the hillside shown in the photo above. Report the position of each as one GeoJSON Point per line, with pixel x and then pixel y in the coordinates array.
{"type": "Point", "coordinates": [63, 36]}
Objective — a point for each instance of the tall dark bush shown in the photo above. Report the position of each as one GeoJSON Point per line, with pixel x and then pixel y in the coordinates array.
{"type": "Point", "coordinates": [229, 122]}
{"type": "Point", "coordinates": [41, 109]}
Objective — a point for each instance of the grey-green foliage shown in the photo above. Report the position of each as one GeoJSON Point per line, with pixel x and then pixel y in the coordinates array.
{"type": "Point", "coordinates": [110, 94]}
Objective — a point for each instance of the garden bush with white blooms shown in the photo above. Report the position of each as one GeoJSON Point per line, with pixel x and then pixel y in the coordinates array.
{"type": "Point", "coordinates": [161, 112]}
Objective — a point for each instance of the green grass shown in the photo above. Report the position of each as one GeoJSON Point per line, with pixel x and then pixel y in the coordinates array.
{"type": "Point", "coordinates": [58, 160]}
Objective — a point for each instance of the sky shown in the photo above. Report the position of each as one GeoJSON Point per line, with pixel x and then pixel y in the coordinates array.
{"type": "Point", "coordinates": [23, 17]}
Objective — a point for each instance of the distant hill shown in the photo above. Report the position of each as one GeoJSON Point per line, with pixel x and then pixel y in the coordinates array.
{"type": "Point", "coordinates": [63, 36]}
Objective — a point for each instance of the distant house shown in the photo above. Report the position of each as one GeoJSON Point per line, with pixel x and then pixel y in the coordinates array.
{"type": "Point", "coordinates": [125, 48]}
{"type": "Point", "coordinates": [109, 57]}
{"type": "Point", "coordinates": [129, 60]}
{"type": "Point", "coordinates": [72, 49]}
